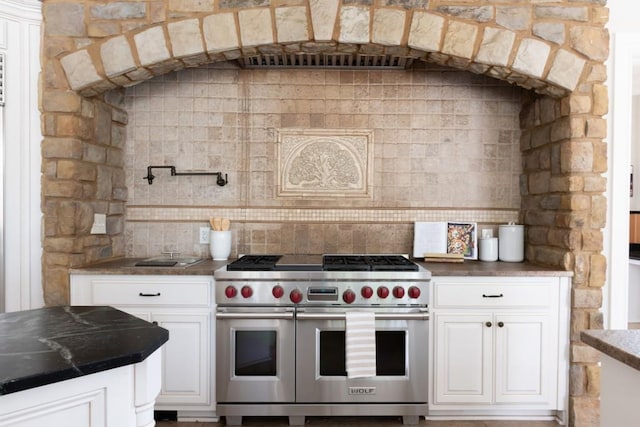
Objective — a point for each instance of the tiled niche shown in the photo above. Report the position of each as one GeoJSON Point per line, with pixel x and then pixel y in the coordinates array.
{"type": "Point", "coordinates": [444, 144]}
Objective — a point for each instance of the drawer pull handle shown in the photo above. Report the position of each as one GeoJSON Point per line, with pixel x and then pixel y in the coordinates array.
{"type": "Point", "coordinates": [492, 296]}
{"type": "Point", "coordinates": [142, 294]}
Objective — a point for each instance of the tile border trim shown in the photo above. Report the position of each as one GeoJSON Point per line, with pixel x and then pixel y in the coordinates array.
{"type": "Point", "coordinates": [311, 215]}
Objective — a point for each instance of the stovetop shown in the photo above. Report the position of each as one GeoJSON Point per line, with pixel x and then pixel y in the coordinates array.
{"type": "Point", "coordinates": [338, 262]}
{"type": "Point", "coordinates": [312, 280]}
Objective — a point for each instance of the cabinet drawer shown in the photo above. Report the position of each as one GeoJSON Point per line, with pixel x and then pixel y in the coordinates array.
{"type": "Point", "coordinates": [490, 295]}
{"type": "Point", "coordinates": [132, 292]}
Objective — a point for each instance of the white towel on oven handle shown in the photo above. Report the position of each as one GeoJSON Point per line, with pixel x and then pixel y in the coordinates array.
{"type": "Point", "coordinates": [360, 344]}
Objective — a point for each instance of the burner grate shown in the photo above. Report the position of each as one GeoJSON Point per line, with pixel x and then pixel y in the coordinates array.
{"type": "Point", "coordinates": [345, 263]}
{"type": "Point", "coordinates": [254, 263]}
{"type": "Point", "coordinates": [367, 263]}
{"type": "Point", "coordinates": [391, 263]}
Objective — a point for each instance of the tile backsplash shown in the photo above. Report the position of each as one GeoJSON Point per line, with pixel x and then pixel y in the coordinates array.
{"type": "Point", "coordinates": [445, 147]}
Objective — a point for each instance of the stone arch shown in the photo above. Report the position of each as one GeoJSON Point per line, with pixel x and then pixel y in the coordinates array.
{"type": "Point", "coordinates": [553, 48]}
{"type": "Point", "coordinates": [480, 46]}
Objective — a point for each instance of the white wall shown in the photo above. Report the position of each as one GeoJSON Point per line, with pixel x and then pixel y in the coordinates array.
{"type": "Point", "coordinates": [625, 51]}
{"type": "Point", "coordinates": [21, 137]}
{"type": "Point", "coordinates": [623, 16]}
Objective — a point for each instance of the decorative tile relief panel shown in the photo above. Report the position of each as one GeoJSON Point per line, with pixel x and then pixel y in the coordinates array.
{"type": "Point", "coordinates": [324, 162]}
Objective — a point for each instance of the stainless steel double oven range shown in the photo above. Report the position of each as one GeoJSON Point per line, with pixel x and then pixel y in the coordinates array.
{"type": "Point", "coordinates": [280, 336]}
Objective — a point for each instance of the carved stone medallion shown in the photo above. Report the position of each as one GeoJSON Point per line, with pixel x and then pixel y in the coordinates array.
{"type": "Point", "coordinates": [324, 162]}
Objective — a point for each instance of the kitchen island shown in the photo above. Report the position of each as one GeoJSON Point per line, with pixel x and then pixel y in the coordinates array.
{"type": "Point", "coordinates": [78, 366]}
{"type": "Point", "coordinates": [620, 377]}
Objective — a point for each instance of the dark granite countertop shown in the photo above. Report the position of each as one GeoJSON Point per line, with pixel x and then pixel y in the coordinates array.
{"type": "Point", "coordinates": [205, 267]}
{"type": "Point", "coordinates": [497, 268]}
{"type": "Point", "coordinates": [47, 345]}
{"type": "Point", "coordinates": [620, 344]}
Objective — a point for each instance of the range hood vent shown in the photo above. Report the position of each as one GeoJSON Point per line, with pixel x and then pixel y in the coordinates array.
{"type": "Point", "coordinates": [324, 60]}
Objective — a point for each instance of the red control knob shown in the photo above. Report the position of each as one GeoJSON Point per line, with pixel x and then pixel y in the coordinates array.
{"type": "Point", "coordinates": [230, 292]}
{"type": "Point", "coordinates": [366, 292]}
{"type": "Point", "coordinates": [414, 292]}
{"type": "Point", "coordinates": [348, 296]}
{"type": "Point", "coordinates": [383, 292]}
{"type": "Point", "coordinates": [295, 296]}
{"type": "Point", "coordinates": [277, 291]}
{"type": "Point", "coordinates": [398, 291]}
{"type": "Point", "coordinates": [246, 291]}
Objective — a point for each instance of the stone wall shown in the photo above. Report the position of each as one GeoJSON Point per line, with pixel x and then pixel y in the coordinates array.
{"type": "Point", "coordinates": [565, 211]}
{"type": "Point", "coordinates": [91, 50]}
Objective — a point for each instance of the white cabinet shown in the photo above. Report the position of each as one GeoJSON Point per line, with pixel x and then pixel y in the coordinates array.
{"type": "Point", "coordinates": [525, 352]}
{"type": "Point", "coordinates": [463, 352]}
{"type": "Point", "coordinates": [186, 372]}
{"type": "Point", "coordinates": [119, 397]}
{"type": "Point", "coordinates": [499, 346]}
{"type": "Point", "coordinates": [184, 306]}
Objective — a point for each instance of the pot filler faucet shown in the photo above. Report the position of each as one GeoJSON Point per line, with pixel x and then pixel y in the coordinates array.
{"type": "Point", "coordinates": [150, 176]}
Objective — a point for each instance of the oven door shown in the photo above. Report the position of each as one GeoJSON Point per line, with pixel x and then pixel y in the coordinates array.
{"type": "Point", "coordinates": [401, 357]}
{"type": "Point", "coordinates": [255, 354]}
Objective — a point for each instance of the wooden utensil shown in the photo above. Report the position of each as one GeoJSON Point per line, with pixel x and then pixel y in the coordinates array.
{"type": "Point", "coordinates": [217, 224]}
{"type": "Point", "coordinates": [225, 224]}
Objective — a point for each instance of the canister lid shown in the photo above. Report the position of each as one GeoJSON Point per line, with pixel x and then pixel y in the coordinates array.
{"type": "Point", "coordinates": [511, 224]}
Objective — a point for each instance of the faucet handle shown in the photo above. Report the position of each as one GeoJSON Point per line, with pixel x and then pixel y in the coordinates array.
{"type": "Point", "coordinates": [170, 253]}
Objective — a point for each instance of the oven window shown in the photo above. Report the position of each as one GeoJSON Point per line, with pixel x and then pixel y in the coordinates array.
{"type": "Point", "coordinates": [255, 353]}
{"type": "Point", "coordinates": [390, 353]}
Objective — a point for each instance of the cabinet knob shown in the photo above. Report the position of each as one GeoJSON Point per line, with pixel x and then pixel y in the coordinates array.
{"type": "Point", "coordinates": [155, 323]}
{"type": "Point", "coordinates": [500, 324]}
{"type": "Point", "coordinates": [488, 324]}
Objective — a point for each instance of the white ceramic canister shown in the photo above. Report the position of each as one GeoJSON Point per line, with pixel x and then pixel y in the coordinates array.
{"type": "Point", "coordinates": [220, 244]}
{"type": "Point", "coordinates": [488, 249]}
{"type": "Point", "coordinates": [511, 242]}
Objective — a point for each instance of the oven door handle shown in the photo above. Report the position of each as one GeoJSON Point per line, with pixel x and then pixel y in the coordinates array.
{"type": "Point", "coordinates": [379, 316]}
{"type": "Point", "coordinates": [276, 315]}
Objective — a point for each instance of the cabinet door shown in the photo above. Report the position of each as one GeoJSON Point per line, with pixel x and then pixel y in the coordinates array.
{"type": "Point", "coordinates": [524, 368]}
{"type": "Point", "coordinates": [82, 410]}
{"type": "Point", "coordinates": [463, 357]}
{"type": "Point", "coordinates": [186, 366]}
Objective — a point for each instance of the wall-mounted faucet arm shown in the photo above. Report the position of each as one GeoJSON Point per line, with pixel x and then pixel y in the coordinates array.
{"type": "Point", "coordinates": [150, 176]}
